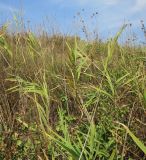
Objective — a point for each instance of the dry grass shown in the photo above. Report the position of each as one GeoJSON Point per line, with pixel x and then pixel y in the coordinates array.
{"type": "Point", "coordinates": [61, 98]}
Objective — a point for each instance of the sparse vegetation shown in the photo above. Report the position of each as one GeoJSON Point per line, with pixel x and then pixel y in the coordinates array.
{"type": "Point", "coordinates": [67, 98]}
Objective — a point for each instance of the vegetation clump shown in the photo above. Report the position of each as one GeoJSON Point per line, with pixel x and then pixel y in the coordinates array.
{"type": "Point", "coordinates": [66, 98]}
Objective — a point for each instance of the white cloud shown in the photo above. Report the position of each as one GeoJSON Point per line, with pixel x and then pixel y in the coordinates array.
{"type": "Point", "coordinates": [139, 5]}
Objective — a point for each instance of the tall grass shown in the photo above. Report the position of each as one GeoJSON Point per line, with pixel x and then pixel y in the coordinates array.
{"type": "Point", "coordinates": [68, 105]}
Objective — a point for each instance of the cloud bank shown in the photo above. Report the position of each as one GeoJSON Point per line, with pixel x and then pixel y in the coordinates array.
{"type": "Point", "coordinates": [139, 5]}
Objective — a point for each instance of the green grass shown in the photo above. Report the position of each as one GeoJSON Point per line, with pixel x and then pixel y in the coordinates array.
{"type": "Point", "coordinates": [67, 99]}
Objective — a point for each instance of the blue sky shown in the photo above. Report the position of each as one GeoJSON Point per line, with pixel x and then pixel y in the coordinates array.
{"type": "Point", "coordinates": [59, 14]}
